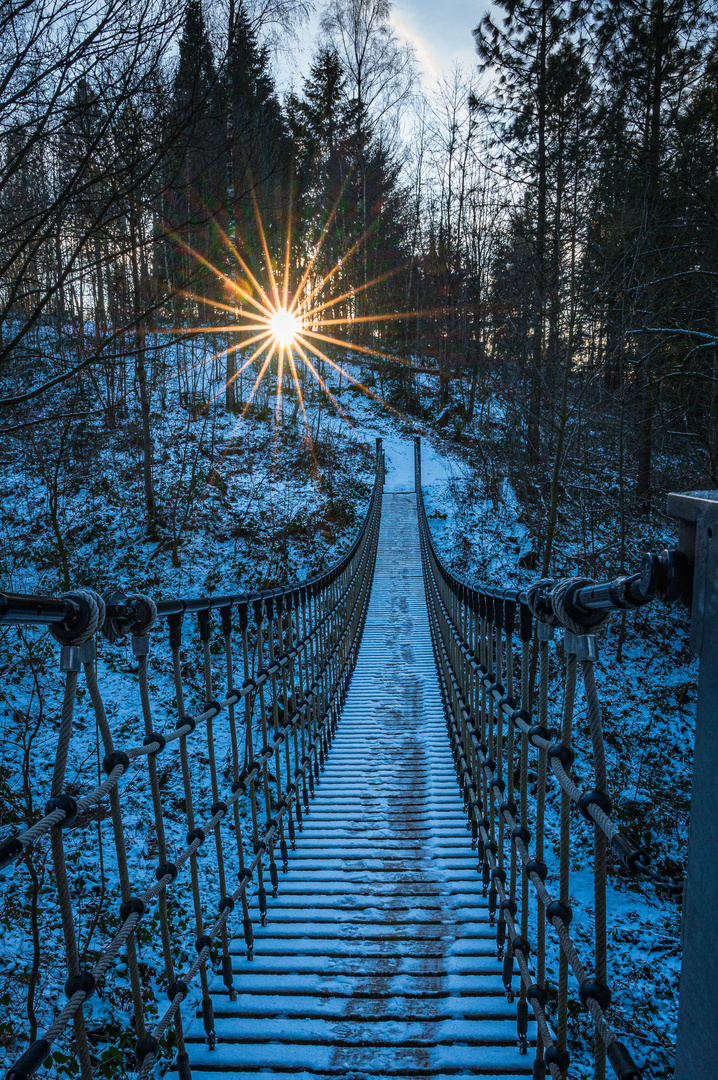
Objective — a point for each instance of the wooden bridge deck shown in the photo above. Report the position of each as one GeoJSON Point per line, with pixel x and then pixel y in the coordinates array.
{"type": "Point", "coordinates": [378, 958]}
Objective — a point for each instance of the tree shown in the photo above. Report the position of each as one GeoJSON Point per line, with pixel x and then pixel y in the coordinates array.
{"type": "Point", "coordinates": [197, 194]}
{"type": "Point", "coordinates": [380, 74]}
{"type": "Point", "coordinates": [648, 50]}
{"type": "Point", "coordinates": [380, 69]}
{"type": "Point", "coordinates": [519, 49]}
{"type": "Point", "coordinates": [108, 58]}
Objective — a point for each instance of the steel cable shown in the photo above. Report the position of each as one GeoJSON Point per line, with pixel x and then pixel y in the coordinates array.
{"type": "Point", "coordinates": [311, 646]}
{"type": "Point", "coordinates": [471, 674]}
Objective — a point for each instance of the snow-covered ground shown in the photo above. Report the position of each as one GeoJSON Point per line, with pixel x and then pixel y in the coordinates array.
{"type": "Point", "coordinates": [269, 511]}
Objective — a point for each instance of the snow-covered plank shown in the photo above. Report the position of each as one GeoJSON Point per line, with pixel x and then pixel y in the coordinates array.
{"type": "Point", "coordinates": [378, 957]}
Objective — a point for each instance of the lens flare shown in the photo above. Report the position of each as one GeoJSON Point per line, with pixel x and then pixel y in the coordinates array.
{"type": "Point", "coordinates": [284, 326]}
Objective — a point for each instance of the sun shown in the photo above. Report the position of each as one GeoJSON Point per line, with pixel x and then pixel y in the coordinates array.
{"type": "Point", "coordinates": [281, 322]}
{"type": "Point", "coordinates": [284, 326]}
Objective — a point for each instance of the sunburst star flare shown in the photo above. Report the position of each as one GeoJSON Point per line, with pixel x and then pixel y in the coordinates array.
{"type": "Point", "coordinates": [284, 326]}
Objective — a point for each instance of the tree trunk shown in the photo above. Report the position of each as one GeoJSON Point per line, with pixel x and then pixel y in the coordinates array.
{"type": "Point", "coordinates": [645, 397]}
{"type": "Point", "coordinates": [535, 399]}
{"type": "Point", "coordinates": [141, 372]}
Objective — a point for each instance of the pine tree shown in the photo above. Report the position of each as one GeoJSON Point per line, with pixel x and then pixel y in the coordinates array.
{"type": "Point", "coordinates": [648, 52]}
{"type": "Point", "coordinates": [519, 48]}
{"type": "Point", "coordinates": [196, 197]}
{"type": "Point", "coordinates": [258, 142]}
{"type": "Point", "coordinates": [348, 179]}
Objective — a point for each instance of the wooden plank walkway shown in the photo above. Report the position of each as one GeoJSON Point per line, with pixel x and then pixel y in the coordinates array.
{"type": "Point", "coordinates": [378, 958]}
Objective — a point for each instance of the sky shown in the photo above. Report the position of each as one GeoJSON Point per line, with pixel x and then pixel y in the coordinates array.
{"type": "Point", "coordinates": [439, 30]}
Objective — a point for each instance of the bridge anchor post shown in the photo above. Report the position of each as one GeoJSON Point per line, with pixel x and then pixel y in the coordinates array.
{"type": "Point", "coordinates": [697, 1042]}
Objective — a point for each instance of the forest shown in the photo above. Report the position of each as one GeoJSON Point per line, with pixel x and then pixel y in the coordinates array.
{"type": "Point", "coordinates": [530, 246]}
{"type": "Point", "coordinates": [224, 271]}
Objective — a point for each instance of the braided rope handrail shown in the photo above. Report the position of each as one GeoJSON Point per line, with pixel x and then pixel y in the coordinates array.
{"type": "Point", "coordinates": [26, 839]}
{"type": "Point", "coordinates": [473, 631]}
{"type": "Point", "coordinates": [306, 639]}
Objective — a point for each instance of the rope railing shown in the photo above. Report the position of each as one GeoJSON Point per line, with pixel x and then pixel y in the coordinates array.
{"type": "Point", "coordinates": [497, 718]}
{"type": "Point", "coordinates": [297, 647]}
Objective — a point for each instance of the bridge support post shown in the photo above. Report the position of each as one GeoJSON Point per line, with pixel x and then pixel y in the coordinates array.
{"type": "Point", "coordinates": [697, 1043]}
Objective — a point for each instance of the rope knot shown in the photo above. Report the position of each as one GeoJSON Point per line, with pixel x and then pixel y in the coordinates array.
{"type": "Point", "coordinates": [86, 623]}
{"type": "Point", "coordinates": [565, 611]}
{"type": "Point", "coordinates": [539, 600]}
{"type": "Point", "coordinates": [145, 612]}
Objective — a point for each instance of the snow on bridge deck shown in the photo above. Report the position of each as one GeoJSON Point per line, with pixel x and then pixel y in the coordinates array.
{"type": "Point", "coordinates": [378, 958]}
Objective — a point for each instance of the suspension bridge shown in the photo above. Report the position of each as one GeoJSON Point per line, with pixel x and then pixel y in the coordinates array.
{"type": "Point", "coordinates": [377, 836]}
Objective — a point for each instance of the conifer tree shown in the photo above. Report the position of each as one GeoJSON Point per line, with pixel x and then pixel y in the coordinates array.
{"type": "Point", "coordinates": [519, 48]}
{"type": "Point", "coordinates": [257, 137]}
{"type": "Point", "coordinates": [197, 183]}
{"type": "Point", "coordinates": [347, 177]}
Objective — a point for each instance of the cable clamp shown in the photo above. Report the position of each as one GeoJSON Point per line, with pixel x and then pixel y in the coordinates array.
{"type": "Point", "coordinates": [521, 945]}
{"type": "Point", "coordinates": [31, 1060]}
{"type": "Point", "coordinates": [70, 658]}
{"type": "Point", "coordinates": [520, 719]}
{"type": "Point", "coordinates": [84, 980]}
{"type": "Point", "coordinates": [594, 797]}
{"type": "Point", "coordinates": [179, 986]}
{"type": "Point", "coordinates": [554, 1056]}
{"type": "Point", "coordinates": [133, 906]}
{"type": "Point", "coordinates": [630, 853]}
{"type": "Point", "coordinates": [557, 910]}
{"type": "Point", "coordinates": [111, 761]}
{"type": "Point", "coordinates": [88, 651]}
{"type": "Point", "coordinates": [535, 866]}
{"type": "Point", "coordinates": [146, 1046]}
{"type": "Point", "coordinates": [62, 802]}
{"type": "Point", "coordinates": [538, 994]}
{"type": "Point", "coordinates": [584, 646]}
{"type": "Point", "coordinates": [10, 849]}
{"type": "Point", "coordinates": [622, 1062]}
{"type": "Point", "coordinates": [140, 644]}
{"type": "Point", "coordinates": [538, 732]}
{"type": "Point", "coordinates": [562, 753]}
{"type": "Point", "coordinates": [155, 737]}
{"type": "Point", "coordinates": [166, 870]}
{"type": "Point", "coordinates": [592, 990]}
